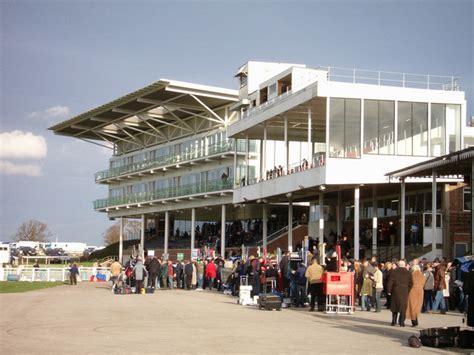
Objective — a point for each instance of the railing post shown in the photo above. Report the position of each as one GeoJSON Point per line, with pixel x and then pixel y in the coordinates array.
{"type": "Point", "coordinates": [64, 274]}
{"type": "Point", "coordinates": [428, 82]}
{"type": "Point", "coordinates": [353, 76]}
{"type": "Point", "coordinates": [403, 80]}
{"type": "Point", "coordinates": [48, 274]}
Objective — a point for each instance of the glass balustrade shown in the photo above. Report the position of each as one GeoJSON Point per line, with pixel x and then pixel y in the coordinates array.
{"type": "Point", "coordinates": [180, 191]}
{"type": "Point", "coordinates": [168, 160]}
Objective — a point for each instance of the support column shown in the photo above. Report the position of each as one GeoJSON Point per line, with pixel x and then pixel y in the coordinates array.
{"type": "Point", "coordinates": [338, 213]}
{"type": "Point", "coordinates": [167, 233]}
{"type": "Point", "coordinates": [264, 227]}
{"type": "Point", "coordinates": [287, 144]}
{"type": "Point", "coordinates": [402, 220]}
{"type": "Point", "coordinates": [321, 217]}
{"type": "Point", "coordinates": [310, 144]}
{"type": "Point", "coordinates": [433, 213]}
{"type": "Point", "coordinates": [356, 222]}
{"type": "Point", "coordinates": [223, 231]}
{"type": "Point", "coordinates": [121, 242]}
{"type": "Point", "coordinates": [264, 151]}
{"type": "Point", "coordinates": [374, 220]}
{"type": "Point", "coordinates": [193, 229]}
{"type": "Point", "coordinates": [247, 153]}
{"type": "Point", "coordinates": [142, 238]}
{"type": "Point", "coordinates": [290, 224]}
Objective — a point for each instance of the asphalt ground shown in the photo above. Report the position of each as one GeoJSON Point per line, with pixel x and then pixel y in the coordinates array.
{"type": "Point", "coordinates": [89, 319]}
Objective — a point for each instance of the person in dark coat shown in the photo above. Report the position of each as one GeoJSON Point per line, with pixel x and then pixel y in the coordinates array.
{"type": "Point", "coordinates": [399, 285]}
{"type": "Point", "coordinates": [154, 270]}
{"type": "Point", "coordinates": [188, 274]}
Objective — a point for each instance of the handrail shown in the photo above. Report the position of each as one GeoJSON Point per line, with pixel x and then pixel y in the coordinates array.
{"type": "Point", "coordinates": [378, 77]}
{"type": "Point", "coordinates": [277, 99]}
{"type": "Point", "coordinates": [278, 233]}
{"type": "Point", "coordinates": [183, 190]}
{"type": "Point", "coordinates": [163, 161]}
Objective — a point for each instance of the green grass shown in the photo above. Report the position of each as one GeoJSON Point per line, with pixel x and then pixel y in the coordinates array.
{"type": "Point", "coordinates": [25, 286]}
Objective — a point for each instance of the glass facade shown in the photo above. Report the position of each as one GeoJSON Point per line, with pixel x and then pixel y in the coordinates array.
{"type": "Point", "coordinates": [379, 127]}
{"type": "Point", "coordinates": [412, 129]}
{"type": "Point", "coordinates": [176, 182]}
{"type": "Point", "coordinates": [344, 128]}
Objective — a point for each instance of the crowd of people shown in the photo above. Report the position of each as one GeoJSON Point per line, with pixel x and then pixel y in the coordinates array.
{"type": "Point", "coordinates": [408, 289]}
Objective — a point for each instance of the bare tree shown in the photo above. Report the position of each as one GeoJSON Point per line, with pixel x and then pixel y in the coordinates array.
{"type": "Point", "coordinates": [32, 230]}
{"type": "Point", "coordinates": [130, 228]}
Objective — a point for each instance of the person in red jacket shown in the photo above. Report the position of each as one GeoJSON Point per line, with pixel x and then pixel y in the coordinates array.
{"type": "Point", "coordinates": [211, 273]}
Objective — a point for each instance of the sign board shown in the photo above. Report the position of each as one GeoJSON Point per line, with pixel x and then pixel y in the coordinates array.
{"type": "Point", "coordinates": [194, 254]}
{"type": "Point", "coordinates": [166, 256]}
{"type": "Point", "coordinates": [180, 256]}
{"type": "Point", "coordinates": [151, 253]}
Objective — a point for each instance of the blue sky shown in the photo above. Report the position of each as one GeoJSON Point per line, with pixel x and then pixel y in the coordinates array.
{"type": "Point", "coordinates": [61, 58]}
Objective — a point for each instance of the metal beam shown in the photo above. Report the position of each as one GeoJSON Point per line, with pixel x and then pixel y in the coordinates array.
{"type": "Point", "coordinates": [208, 108]}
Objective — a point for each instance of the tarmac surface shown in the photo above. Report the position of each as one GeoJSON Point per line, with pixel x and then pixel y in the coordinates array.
{"type": "Point", "coordinates": [89, 319]}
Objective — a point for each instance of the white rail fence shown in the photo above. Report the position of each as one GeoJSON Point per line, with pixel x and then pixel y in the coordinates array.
{"type": "Point", "coordinates": [52, 274]}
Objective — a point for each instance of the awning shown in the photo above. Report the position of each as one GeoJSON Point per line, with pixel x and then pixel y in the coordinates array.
{"type": "Point", "coordinates": [155, 110]}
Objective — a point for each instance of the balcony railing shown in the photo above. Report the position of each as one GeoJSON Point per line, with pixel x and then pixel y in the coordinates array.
{"type": "Point", "coordinates": [172, 192]}
{"type": "Point", "coordinates": [164, 161]}
{"type": "Point", "coordinates": [318, 160]}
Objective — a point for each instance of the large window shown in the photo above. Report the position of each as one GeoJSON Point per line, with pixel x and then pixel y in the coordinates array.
{"type": "Point", "coordinates": [379, 127]}
{"type": "Point", "coordinates": [412, 129]}
{"type": "Point", "coordinates": [438, 130]}
{"type": "Point", "coordinates": [344, 128]}
{"type": "Point", "coordinates": [467, 199]}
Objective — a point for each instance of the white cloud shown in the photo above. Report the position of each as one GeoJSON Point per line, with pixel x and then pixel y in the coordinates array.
{"type": "Point", "coordinates": [22, 145]}
{"type": "Point", "coordinates": [50, 113]}
{"type": "Point", "coordinates": [9, 168]}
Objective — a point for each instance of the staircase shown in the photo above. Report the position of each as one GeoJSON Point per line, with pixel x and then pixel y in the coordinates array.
{"type": "Point", "coordinates": [387, 253]}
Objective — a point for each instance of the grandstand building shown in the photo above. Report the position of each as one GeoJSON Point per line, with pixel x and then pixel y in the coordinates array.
{"type": "Point", "coordinates": [290, 143]}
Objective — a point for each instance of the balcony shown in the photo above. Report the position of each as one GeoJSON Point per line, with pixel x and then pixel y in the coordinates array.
{"type": "Point", "coordinates": [163, 162]}
{"type": "Point", "coordinates": [164, 194]}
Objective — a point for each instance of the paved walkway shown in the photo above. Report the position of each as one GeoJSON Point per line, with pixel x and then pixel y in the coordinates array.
{"type": "Point", "coordinates": [88, 318]}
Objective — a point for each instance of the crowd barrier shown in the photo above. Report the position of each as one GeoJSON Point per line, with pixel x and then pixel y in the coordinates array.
{"type": "Point", "coordinates": [51, 274]}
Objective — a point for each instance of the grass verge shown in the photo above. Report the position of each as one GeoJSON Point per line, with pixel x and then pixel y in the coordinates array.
{"type": "Point", "coordinates": [25, 286]}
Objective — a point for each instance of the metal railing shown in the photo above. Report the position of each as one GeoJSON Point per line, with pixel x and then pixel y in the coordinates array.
{"type": "Point", "coordinates": [316, 162]}
{"type": "Point", "coordinates": [278, 233]}
{"type": "Point", "coordinates": [388, 78]}
{"type": "Point", "coordinates": [51, 274]}
{"type": "Point", "coordinates": [184, 190]}
{"type": "Point", "coordinates": [202, 152]}
{"type": "Point", "coordinates": [276, 100]}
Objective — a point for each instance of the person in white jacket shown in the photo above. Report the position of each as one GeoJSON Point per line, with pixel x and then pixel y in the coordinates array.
{"type": "Point", "coordinates": [378, 285]}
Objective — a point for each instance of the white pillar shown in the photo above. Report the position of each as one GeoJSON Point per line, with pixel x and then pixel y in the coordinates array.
{"type": "Point", "coordinates": [356, 222]}
{"type": "Point", "coordinates": [142, 238]}
{"type": "Point", "coordinates": [234, 178]}
{"type": "Point", "coordinates": [193, 229]}
{"type": "Point", "coordinates": [374, 219]}
{"type": "Point", "coordinates": [167, 231]}
{"type": "Point", "coordinates": [264, 151]}
{"type": "Point", "coordinates": [338, 213]}
{"type": "Point", "coordinates": [310, 144]}
{"type": "Point", "coordinates": [321, 217]}
{"type": "Point", "coordinates": [433, 213]}
{"type": "Point", "coordinates": [247, 153]}
{"type": "Point", "coordinates": [402, 220]}
{"type": "Point", "coordinates": [223, 231]}
{"type": "Point", "coordinates": [121, 242]}
{"type": "Point", "coordinates": [290, 225]}
{"type": "Point", "coordinates": [287, 144]}
{"type": "Point", "coordinates": [264, 227]}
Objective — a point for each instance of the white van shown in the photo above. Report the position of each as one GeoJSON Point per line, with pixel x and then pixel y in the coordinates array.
{"type": "Point", "coordinates": [4, 254]}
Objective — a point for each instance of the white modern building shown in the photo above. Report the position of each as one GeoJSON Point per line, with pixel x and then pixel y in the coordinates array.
{"type": "Point", "coordinates": [292, 138]}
